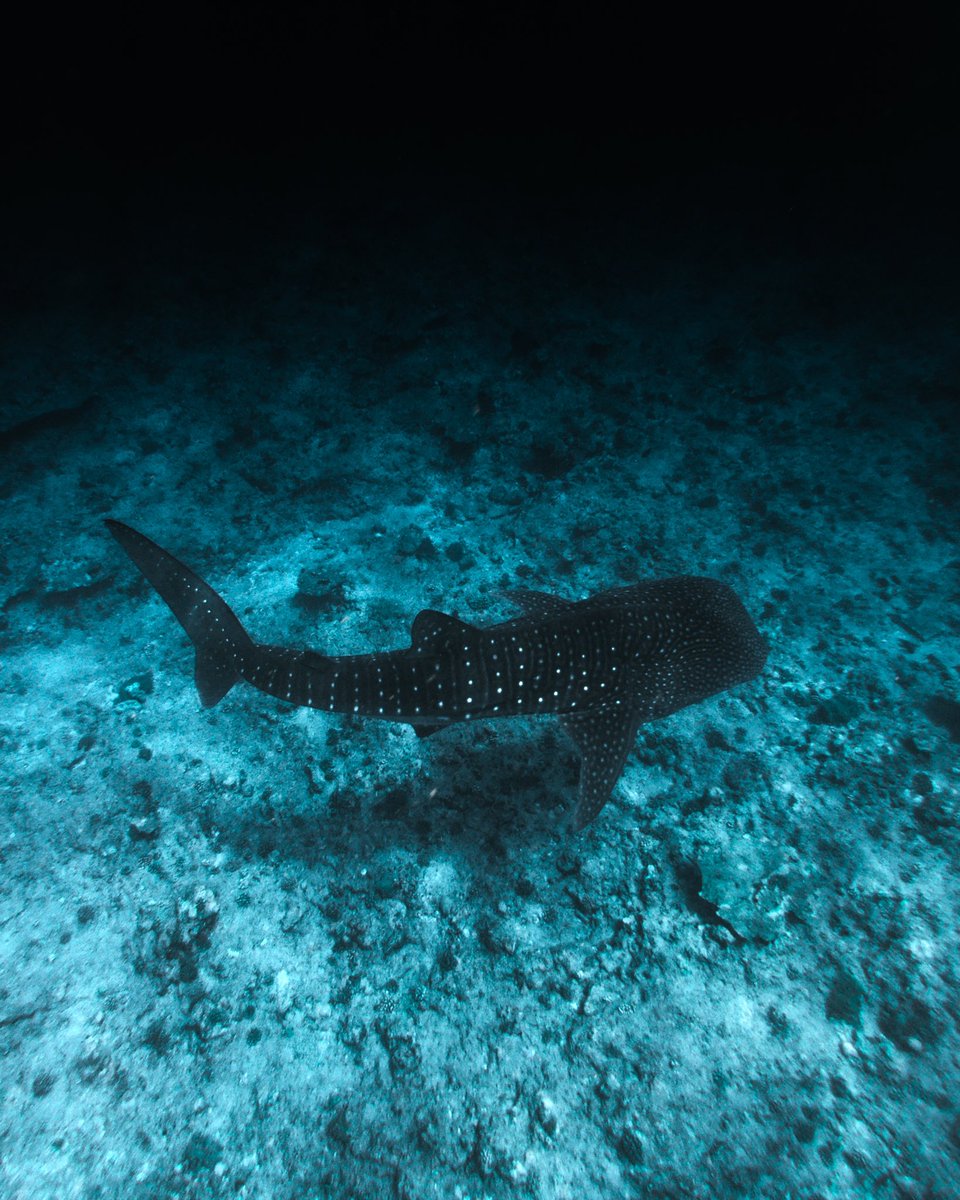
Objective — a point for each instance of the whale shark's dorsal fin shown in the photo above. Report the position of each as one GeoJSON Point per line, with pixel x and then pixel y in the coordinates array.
{"type": "Point", "coordinates": [432, 632]}
{"type": "Point", "coordinates": [539, 604]}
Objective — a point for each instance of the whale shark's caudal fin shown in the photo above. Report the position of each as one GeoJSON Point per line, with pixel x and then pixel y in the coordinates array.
{"type": "Point", "coordinates": [222, 644]}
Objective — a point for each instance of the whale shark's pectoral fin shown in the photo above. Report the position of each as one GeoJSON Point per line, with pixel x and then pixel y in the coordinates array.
{"type": "Point", "coordinates": [605, 736]}
{"type": "Point", "coordinates": [424, 731]}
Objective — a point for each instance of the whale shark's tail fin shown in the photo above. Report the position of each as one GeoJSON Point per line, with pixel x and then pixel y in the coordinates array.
{"type": "Point", "coordinates": [222, 644]}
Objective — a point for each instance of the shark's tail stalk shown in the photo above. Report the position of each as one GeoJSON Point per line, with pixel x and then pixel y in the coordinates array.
{"type": "Point", "coordinates": [223, 646]}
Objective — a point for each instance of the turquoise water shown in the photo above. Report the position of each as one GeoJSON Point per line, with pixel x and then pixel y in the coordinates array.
{"type": "Point", "coordinates": [261, 951]}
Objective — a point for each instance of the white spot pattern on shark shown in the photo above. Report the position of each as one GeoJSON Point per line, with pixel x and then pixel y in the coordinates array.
{"type": "Point", "coordinates": [604, 665]}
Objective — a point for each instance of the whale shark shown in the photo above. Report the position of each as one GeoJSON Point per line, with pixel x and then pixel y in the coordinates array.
{"type": "Point", "coordinates": [603, 665]}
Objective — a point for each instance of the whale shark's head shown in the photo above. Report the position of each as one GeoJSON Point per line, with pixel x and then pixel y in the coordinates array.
{"type": "Point", "coordinates": [697, 639]}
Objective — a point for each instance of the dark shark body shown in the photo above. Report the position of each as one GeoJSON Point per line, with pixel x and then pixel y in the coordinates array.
{"type": "Point", "coordinates": [604, 665]}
